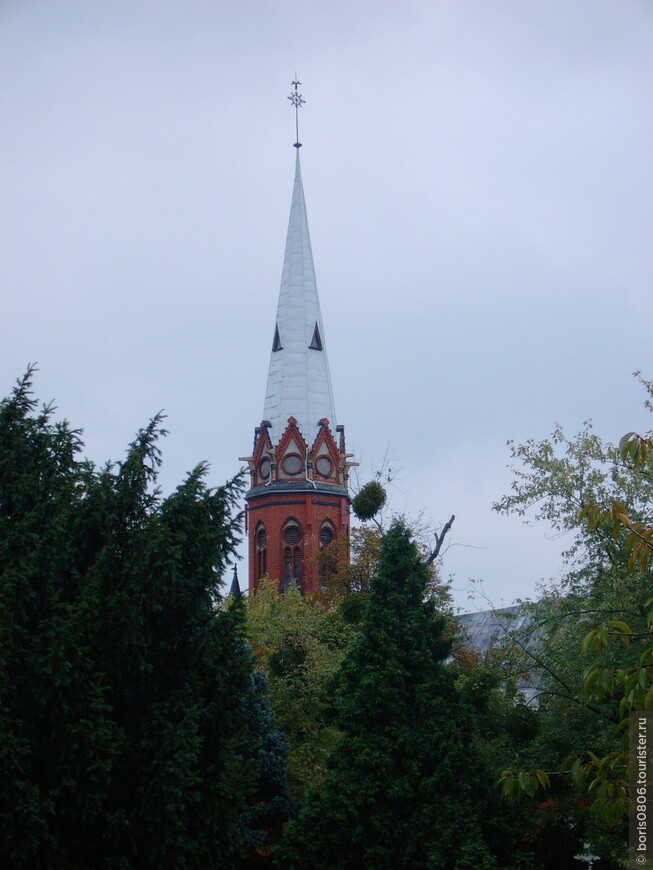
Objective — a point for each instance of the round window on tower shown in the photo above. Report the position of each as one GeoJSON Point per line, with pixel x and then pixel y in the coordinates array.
{"type": "Point", "coordinates": [292, 463]}
{"type": "Point", "coordinates": [324, 466]}
{"type": "Point", "coordinates": [292, 534]}
{"type": "Point", "coordinates": [264, 468]}
{"type": "Point", "coordinates": [326, 534]}
{"type": "Point", "coordinates": [261, 538]}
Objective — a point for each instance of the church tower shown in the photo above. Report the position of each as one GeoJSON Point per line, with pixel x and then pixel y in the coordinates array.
{"type": "Point", "coordinates": [298, 500]}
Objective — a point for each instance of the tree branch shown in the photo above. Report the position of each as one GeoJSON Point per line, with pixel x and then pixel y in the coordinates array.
{"type": "Point", "coordinates": [439, 540]}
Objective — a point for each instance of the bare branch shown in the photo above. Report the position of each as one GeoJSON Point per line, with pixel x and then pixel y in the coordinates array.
{"type": "Point", "coordinates": [439, 540]}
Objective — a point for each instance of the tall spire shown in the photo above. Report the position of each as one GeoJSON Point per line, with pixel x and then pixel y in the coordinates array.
{"type": "Point", "coordinates": [298, 501]}
{"type": "Point", "coordinates": [299, 383]}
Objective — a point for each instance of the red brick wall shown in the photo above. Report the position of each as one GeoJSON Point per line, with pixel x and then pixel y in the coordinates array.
{"type": "Point", "coordinates": [310, 510]}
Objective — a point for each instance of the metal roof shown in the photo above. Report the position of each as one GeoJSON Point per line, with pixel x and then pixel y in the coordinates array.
{"type": "Point", "coordinates": [485, 629]}
{"type": "Point", "coordinates": [299, 383]}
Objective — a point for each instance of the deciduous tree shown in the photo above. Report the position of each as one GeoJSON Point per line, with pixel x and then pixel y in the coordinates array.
{"type": "Point", "coordinates": [299, 643]}
{"type": "Point", "coordinates": [594, 659]}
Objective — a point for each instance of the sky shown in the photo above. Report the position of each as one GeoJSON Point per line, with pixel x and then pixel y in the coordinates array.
{"type": "Point", "coordinates": [478, 181]}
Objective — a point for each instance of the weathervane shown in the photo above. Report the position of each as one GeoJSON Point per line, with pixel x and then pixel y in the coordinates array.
{"type": "Point", "coordinates": [297, 101]}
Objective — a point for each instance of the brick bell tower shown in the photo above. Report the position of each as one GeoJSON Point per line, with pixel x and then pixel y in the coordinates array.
{"type": "Point", "coordinates": [298, 500]}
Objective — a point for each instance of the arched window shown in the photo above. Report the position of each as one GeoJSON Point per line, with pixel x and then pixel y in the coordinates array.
{"type": "Point", "coordinates": [261, 540]}
{"type": "Point", "coordinates": [327, 562]}
{"type": "Point", "coordinates": [292, 534]}
{"type": "Point", "coordinates": [327, 534]}
{"type": "Point", "coordinates": [292, 551]}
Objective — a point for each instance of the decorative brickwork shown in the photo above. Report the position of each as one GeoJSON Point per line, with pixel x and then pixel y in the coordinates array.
{"type": "Point", "coordinates": [309, 502]}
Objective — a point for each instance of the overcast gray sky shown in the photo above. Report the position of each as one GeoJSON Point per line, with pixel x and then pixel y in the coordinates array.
{"type": "Point", "coordinates": [479, 191]}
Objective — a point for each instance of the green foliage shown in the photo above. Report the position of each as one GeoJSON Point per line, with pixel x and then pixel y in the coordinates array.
{"type": "Point", "coordinates": [125, 737]}
{"type": "Point", "coordinates": [347, 567]}
{"type": "Point", "coordinates": [299, 643]}
{"type": "Point", "coordinates": [270, 804]}
{"type": "Point", "coordinates": [557, 478]}
{"type": "Point", "coordinates": [403, 775]}
{"type": "Point", "coordinates": [540, 834]}
{"type": "Point", "coordinates": [595, 657]}
{"type": "Point", "coordinates": [369, 501]}
{"type": "Point", "coordinates": [348, 564]}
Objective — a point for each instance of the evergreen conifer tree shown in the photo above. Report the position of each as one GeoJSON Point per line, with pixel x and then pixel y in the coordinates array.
{"type": "Point", "coordinates": [402, 785]}
{"type": "Point", "coordinates": [126, 738]}
{"type": "Point", "coordinates": [270, 805]}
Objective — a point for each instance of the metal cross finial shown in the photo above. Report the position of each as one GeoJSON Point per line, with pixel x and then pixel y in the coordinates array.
{"type": "Point", "coordinates": [297, 101]}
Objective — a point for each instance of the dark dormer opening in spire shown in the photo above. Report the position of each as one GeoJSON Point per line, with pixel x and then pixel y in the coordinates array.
{"type": "Point", "coordinates": [276, 343]}
{"type": "Point", "coordinates": [316, 341]}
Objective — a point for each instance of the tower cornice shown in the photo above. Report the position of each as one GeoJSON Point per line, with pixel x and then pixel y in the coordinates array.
{"type": "Point", "coordinates": [282, 487]}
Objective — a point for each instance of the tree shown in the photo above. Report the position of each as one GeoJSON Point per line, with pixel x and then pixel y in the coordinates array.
{"type": "Point", "coordinates": [595, 661]}
{"type": "Point", "coordinates": [126, 739]}
{"type": "Point", "coordinates": [404, 774]}
{"type": "Point", "coordinates": [270, 804]}
{"type": "Point", "coordinates": [58, 746]}
{"type": "Point", "coordinates": [370, 505]}
{"type": "Point", "coordinates": [299, 643]}
{"type": "Point", "coordinates": [542, 835]}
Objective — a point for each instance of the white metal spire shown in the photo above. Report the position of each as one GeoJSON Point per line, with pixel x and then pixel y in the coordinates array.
{"type": "Point", "coordinates": [299, 383]}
